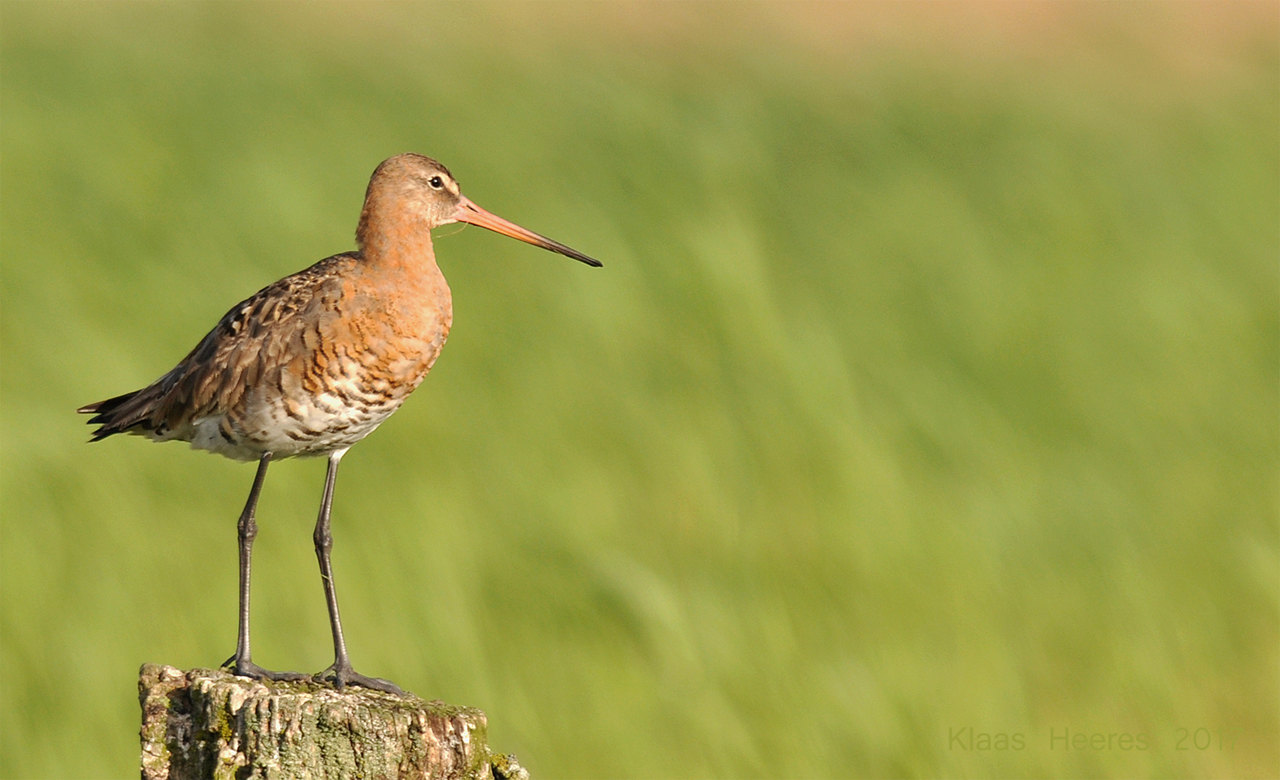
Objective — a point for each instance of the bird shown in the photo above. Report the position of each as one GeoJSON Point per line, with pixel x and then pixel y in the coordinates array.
{"type": "Point", "coordinates": [312, 364]}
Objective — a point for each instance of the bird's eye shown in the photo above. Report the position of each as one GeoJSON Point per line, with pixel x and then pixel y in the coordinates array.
{"type": "Point", "coordinates": [436, 182]}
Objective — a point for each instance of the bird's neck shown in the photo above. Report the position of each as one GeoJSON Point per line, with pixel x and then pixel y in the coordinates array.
{"type": "Point", "coordinates": [394, 238]}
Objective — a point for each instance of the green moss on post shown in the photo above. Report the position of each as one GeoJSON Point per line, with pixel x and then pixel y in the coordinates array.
{"type": "Point", "coordinates": [211, 724]}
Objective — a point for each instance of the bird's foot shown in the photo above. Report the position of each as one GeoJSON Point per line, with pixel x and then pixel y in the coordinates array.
{"type": "Point", "coordinates": [243, 667]}
{"type": "Point", "coordinates": [341, 675]}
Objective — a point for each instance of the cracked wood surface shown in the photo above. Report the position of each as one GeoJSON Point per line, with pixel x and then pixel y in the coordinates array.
{"type": "Point", "coordinates": [207, 723]}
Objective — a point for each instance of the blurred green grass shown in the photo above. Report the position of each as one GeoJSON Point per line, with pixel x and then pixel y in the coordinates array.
{"type": "Point", "coordinates": [931, 381]}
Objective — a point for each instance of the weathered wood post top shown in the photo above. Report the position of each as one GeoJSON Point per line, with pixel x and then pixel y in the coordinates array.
{"type": "Point", "coordinates": [208, 723]}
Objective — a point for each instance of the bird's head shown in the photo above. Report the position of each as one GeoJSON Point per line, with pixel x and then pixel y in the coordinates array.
{"type": "Point", "coordinates": [424, 189]}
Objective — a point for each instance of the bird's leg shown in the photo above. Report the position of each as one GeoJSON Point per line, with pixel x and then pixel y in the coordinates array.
{"type": "Point", "coordinates": [241, 663]}
{"type": "Point", "coordinates": [340, 673]}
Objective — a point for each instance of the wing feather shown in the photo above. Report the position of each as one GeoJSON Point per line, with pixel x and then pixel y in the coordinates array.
{"type": "Point", "coordinates": [256, 339]}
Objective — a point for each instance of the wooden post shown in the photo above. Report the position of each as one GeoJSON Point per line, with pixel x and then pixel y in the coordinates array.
{"type": "Point", "coordinates": [211, 724]}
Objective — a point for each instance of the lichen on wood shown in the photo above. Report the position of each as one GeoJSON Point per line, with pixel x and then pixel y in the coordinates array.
{"type": "Point", "coordinates": [211, 724]}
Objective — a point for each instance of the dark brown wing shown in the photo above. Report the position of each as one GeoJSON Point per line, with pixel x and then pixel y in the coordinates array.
{"type": "Point", "coordinates": [260, 334]}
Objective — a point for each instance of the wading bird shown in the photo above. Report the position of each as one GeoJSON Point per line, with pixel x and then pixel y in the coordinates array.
{"type": "Point", "coordinates": [312, 364]}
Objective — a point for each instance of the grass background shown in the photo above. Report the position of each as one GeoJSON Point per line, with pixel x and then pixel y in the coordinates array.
{"type": "Point", "coordinates": [930, 384]}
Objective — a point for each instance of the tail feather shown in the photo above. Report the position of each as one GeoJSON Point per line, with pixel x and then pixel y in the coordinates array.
{"type": "Point", "coordinates": [122, 414]}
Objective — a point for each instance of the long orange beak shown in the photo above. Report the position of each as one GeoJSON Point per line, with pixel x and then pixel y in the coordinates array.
{"type": "Point", "coordinates": [471, 213]}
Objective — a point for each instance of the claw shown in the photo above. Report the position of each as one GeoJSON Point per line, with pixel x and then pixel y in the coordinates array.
{"type": "Point", "coordinates": [247, 668]}
{"type": "Point", "coordinates": [341, 676]}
